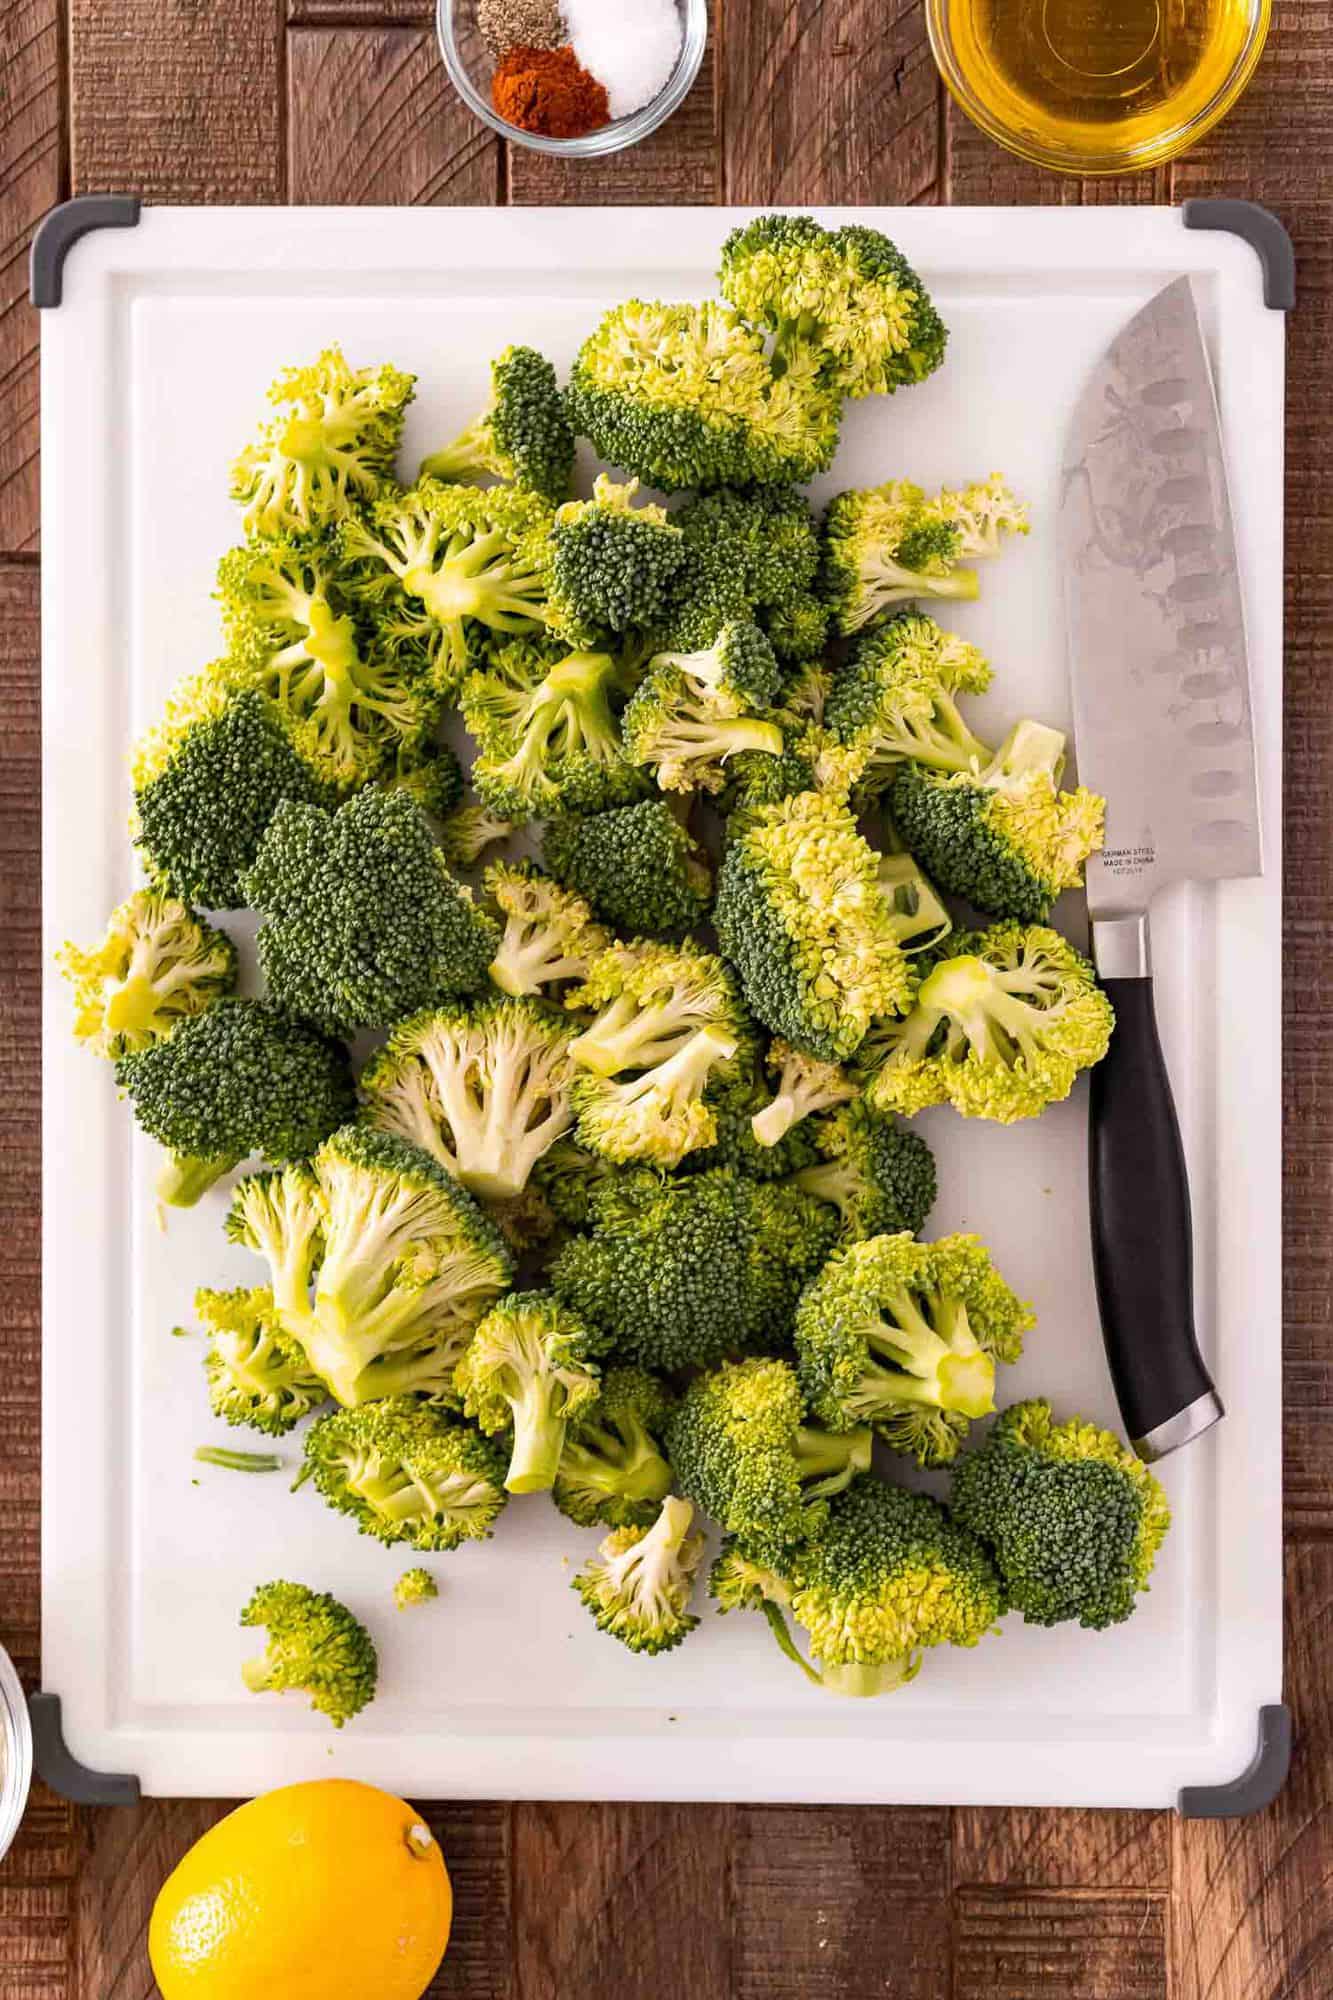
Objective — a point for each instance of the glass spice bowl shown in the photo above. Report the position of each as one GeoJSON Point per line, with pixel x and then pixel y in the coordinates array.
{"type": "Point", "coordinates": [15, 1751]}
{"type": "Point", "coordinates": [470, 66]}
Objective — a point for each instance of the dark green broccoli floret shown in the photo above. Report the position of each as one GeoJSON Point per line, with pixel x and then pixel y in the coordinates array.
{"type": "Point", "coordinates": [613, 563]}
{"type": "Point", "coordinates": [431, 774]}
{"type": "Point", "coordinates": [735, 1106]}
{"type": "Point", "coordinates": [798, 631]}
{"type": "Point", "coordinates": [531, 1368]}
{"type": "Point", "coordinates": [888, 1576]}
{"type": "Point", "coordinates": [315, 1645]}
{"type": "Point", "coordinates": [683, 1271]}
{"type": "Point", "coordinates": [637, 866]}
{"type": "Point", "coordinates": [363, 922]}
{"type": "Point", "coordinates": [158, 963]}
{"type": "Point", "coordinates": [879, 1176]}
{"type": "Point", "coordinates": [638, 1585]}
{"type": "Point", "coordinates": [694, 712]}
{"type": "Point", "coordinates": [707, 590]}
{"type": "Point", "coordinates": [767, 535]}
{"type": "Point", "coordinates": [257, 1374]}
{"type": "Point", "coordinates": [407, 1472]}
{"type": "Point", "coordinates": [741, 1450]}
{"type": "Point", "coordinates": [1074, 1518]}
{"type": "Point", "coordinates": [550, 935]}
{"type": "Point", "coordinates": [522, 435]}
{"type": "Point", "coordinates": [239, 1079]}
{"type": "Point", "coordinates": [332, 448]}
{"type": "Point", "coordinates": [566, 1177]}
{"type": "Point", "coordinates": [885, 545]}
{"type": "Point", "coordinates": [612, 1470]}
{"type": "Point", "coordinates": [548, 738]}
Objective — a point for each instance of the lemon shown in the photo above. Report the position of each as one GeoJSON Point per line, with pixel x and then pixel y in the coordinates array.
{"type": "Point", "coordinates": [328, 1891]}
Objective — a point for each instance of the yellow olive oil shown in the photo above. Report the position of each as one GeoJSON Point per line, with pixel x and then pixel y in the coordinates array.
{"type": "Point", "coordinates": [1099, 84]}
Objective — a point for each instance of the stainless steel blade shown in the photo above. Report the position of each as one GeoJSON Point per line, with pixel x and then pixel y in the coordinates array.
{"type": "Point", "coordinates": [1162, 719]}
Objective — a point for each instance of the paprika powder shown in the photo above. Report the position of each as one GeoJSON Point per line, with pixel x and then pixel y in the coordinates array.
{"type": "Point", "coordinates": [548, 91]}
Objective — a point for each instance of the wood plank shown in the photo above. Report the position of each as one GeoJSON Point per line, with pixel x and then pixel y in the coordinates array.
{"type": "Point", "coordinates": [622, 1900]}
{"type": "Point", "coordinates": [37, 1891]}
{"type": "Point", "coordinates": [1053, 1945]}
{"type": "Point", "coordinates": [359, 13]}
{"type": "Point", "coordinates": [831, 1904]}
{"type": "Point", "coordinates": [1255, 1918]}
{"type": "Point", "coordinates": [176, 101]}
{"type": "Point", "coordinates": [475, 1842]}
{"type": "Point", "coordinates": [980, 171]}
{"type": "Point", "coordinates": [372, 117]}
{"type": "Point", "coordinates": [829, 103]}
{"type": "Point", "coordinates": [677, 167]}
{"type": "Point", "coordinates": [1035, 1849]}
{"type": "Point", "coordinates": [30, 184]}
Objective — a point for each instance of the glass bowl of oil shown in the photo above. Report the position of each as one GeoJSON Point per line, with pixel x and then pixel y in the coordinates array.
{"type": "Point", "coordinates": [1097, 86]}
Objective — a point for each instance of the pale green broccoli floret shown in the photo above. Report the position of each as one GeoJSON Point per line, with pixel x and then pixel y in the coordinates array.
{"type": "Point", "coordinates": [468, 831]}
{"type": "Point", "coordinates": [406, 1471]}
{"type": "Point", "coordinates": [638, 1585]}
{"type": "Point", "coordinates": [315, 1646]}
{"type": "Point", "coordinates": [999, 1028]}
{"type": "Point", "coordinates": [158, 963]}
{"type": "Point", "coordinates": [879, 1176]}
{"type": "Point", "coordinates": [894, 702]}
{"type": "Point", "coordinates": [531, 1366]}
{"type": "Point", "coordinates": [905, 1336]}
{"type": "Point", "coordinates": [885, 545]}
{"type": "Point", "coordinates": [695, 711]}
{"type": "Point", "coordinates": [638, 867]}
{"type": "Point", "coordinates": [257, 1374]}
{"type": "Point", "coordinates": [332, 448]}
{"type": "Point", "coordinates": [523, 435]}
{"type": "Point", "coordinates": [612, 1470]}
{"type": "Point", "coordinates": [547, 735]}
{"type": "Point", "coordinates": [415, 1586]}
{"type": "Point", "coordinates": [613, 563]}
{"type": "Point", "coordinates": [660, 1114]}
{"type": "Point", "coordinates": [805, 1085]}
{"type": "Point", "coordinates": [550, 935]}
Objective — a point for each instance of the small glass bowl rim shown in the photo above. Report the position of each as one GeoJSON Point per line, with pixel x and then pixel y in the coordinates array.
{"type": "Point", "coordinates": [1152, 153]}
{"type": "Point", "coordinates": [610, 138]}
{"type": "Point", "coordinates": [16, 1766]}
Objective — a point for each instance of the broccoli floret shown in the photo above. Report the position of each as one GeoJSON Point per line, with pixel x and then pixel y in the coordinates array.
{"type": "Point", "coordinates": [766, 536]}
{"type": "Point", "coordinates": [531, 1365]}
{"type": "Point", "coordinates": [550, 935]}
{"type": "Point", "coordinates": [693, 712]}
{"type": "Point", "coordinates": [612, 1470]}
{"type": "Point", "coordinates": [407, 1263]}
{"type": "Point", "coordinates": [522, 435]}
{"type": "Point", "coordinates": [888, 1576]}
{"type": "Point", "coordinates": [905, 1336]}
{"type": "Point", "coordinates": [983, 513]}
{"type": "Point", "coordinates": [637, 866]}
{"type": "Point", "coordinates": [1005, 836]}
{"type": "Point", "coordinates": [1075, 1520]}
{"type": "Point", "coordinates": [239, 1079]}
{"type": "Point", "coordinates": [805, 1085]}
{"type": "Point", "coordinates": [414, 1586]}
{"type": "Point", "coordinates": [879, 1176]}
{"type": "Point", "coordinates": [566, 1177]}
{"type": "Point", "coordinates": [659, 1114]}
{"type": "Point", "coordinates": [684, 395]}
{"type": "Point", "coordinates": [332, 448]}
{"type": "Point", "coordinates": [208, 779]}
{"type": "Point", "coordinates": [158, 963]}
{"type": "Point", "coordinates": [432, 776]}
{"type": "Point", "coordinates": [999, 1028]}
{"type": "Point", "coordinates": [738, 669]}
{"type": "Point", "coordinates": [467, 833]}
{"type": "Point", "coordinates": [742, 1452]}
{"type": "Point", "coordinates": [257, 1374]}
{"type": "Point", "coordinates": [485, 1089]}
{"type": "Point", "coordinates": [885, 545]}
{"type": "Point", "coordinates": [363, 922]}
{"type": "Point", "coordinates": [736, 1105]}
{"type": "Point", "coordinates": [894, 702]}
{"type": "Point", "coordinates": [707, 591]}
{"type": "Point", "coordinates": [816, 942]}
{"type": "Point", "coordinates": [612, 563]}
{"type": "Point", "coordinates": [798, 631]}
{"type": "Point", "coordinates": [315, 1645]}
{"type": "Point", "coordinates": [638, 1585]}
{"type": "Point", "coordinates": [407, 1472]}
{"type": "Point", "coordinates": [923, 921]}
{"type": "Point", "coordinates": [442, 567]}
{"type": "Point", "coordinates": [548, 739]}
{"type": "Point", "coordinates": [684, 1271]}
{"type": "Point", "coordinates": [847, 295]}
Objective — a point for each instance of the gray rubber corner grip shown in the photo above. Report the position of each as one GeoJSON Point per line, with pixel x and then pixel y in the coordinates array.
{"type": "Point", "coordinates": [64, 1773]}
{"type": "Point", "coordinates": [1258, 1785]}
{"type": "Point", "coordinates": [1266, 236]}
{"type": "Point", "coordinates": [58, 232]}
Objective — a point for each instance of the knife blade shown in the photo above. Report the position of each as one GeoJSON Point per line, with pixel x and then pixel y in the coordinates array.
{"type": "Point", "coordinates": [1163, 728]}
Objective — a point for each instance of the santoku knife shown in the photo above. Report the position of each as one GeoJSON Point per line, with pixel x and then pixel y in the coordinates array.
{"type": "Point", "coordinates": [1163, 727]}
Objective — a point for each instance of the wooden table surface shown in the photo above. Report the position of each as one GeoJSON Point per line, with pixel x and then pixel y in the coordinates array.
{"type": "Point", "coordinates": [345, 101]}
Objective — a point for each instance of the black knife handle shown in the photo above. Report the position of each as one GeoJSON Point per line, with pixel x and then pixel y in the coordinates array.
{"type": "Point", "coordinates": [1142, 1241]}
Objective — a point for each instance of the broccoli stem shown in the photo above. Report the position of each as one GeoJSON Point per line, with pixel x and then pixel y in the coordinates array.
{"type": "Point", "coordinates": [825, 1462]}
{"type": "Point", "coordinates": [182, 1181]}
{"type": "Point", "coordinates": [257, 1675]}
{"type": "Point", "coordinates": [237, 1461]}
{"type": "Point", "coordinates": [861, 1679]}
{"type": "Point", "coordinates": [539, 1440]}
{"type": "Point", "coordinates": [463, 459]}
{"type": "Point", "coordinates": [777, 1625]}
{"type": "Point", "coordinates": [775, 1120]}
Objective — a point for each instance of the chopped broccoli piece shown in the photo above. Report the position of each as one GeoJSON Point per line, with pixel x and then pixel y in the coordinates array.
{"type": "Point", "coordinates": [550, 935]}
{"type": "Point", "coordinates": [736, 1105]}
{"type": "Point", "coordinates": [738, 668]}
{"type": "Point", "coordinates": [1074, 1518]}
{"type": "Point", "coordinates": [613, 563]}
{"type": "Point", "coordinates": [767, 535]}
{"type": "Point", "coordinates": [548, 739]}
{"type": "Point", "coordinates": [1005, 836]}
{"type": "Point", "coordinates": [684, 395]}
{"type": "Point", "coordinates": [637, 866]}
{"type": "Point", "coordinates": [893, 702]}
{"type": "Point", "coordinates": [983, 512]}
{"type": "Point", "coordinates": [523, 435]}
{"type": "Point", "coordinates": [407, 1472]}
{"type": "Point", "coordinates": [847, 295]}
{"type": "Point", "coordinates": [414, 1586]}
{"type": "Point", "coordinates": [694, 711]}
{"type": "Point", "coordinates": [237, 1461]}
{"type": "Point", "coordinates": [314, 1645]}
{"type": "Point", "coordinates": [708, 589]}
{"type": "Point", "coordinates": [158, 963]}
{"type": "Point", "coordinates": [566, 1177]}
{"type": "Point", "coordinates": [885, 545]}
{"type": "Point", "coordinates": [363, 922]}
{"type": "Point", "coordinates": [531, 1365]}
{"type": "Point", "coordinates": [431, 774]}
{"type": "Point", "coordinates": [798, 631]}
{"type": "Point", "coordinates": [467, 833]}
{"type": "Point", "coordinates": [742, 1452]}
{"type": "Point", "coordinates": [485, 1089]}
{"type": "Point", "coordinates": [257, 1374]}
{"type": "Point", "coordinates": [999, 1028]}
{"type": "Point", "coordinates": [879, 1176]}
{"type": "Point", "coordinates": [332, 448]}
{"type": "Point", "coordinates": [905, 1336]}
{"type": "Point", "coordinates": [737, 1582]}
{"type": "Point", "coordinates": [612, 1470]}
{"type": "Point", "coordinates": [659, 1114]}
{"type": "Point", "coordinates": [236, 1080]}
{"type": "Point", "coordinates": [805, 1085]}
{"type": "Point", "coordinates": [638, 1585]}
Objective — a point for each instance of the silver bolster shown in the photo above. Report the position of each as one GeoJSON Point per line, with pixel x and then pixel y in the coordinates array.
{"type": "Point", "coordinates": [1187, 1424]}
{"type": "Point", "coordinates": [1120, 947]}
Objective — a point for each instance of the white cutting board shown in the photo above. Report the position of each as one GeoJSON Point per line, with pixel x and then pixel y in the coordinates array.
{"type": "Point", "coordinates": [153, 374]}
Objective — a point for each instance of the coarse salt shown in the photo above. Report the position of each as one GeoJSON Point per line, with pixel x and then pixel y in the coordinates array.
{"type": "Point", "coordinates": [630, 46]}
